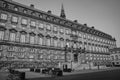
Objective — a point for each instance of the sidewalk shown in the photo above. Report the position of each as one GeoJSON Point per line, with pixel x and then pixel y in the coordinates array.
{"type": "Point", "coordinates": [89, 71]}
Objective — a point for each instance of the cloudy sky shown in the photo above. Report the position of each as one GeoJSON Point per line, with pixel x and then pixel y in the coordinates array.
{"type": "Point", "coordinates": [103, 14]}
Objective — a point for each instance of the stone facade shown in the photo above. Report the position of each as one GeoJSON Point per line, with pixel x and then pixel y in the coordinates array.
{"type": "Point", "coordinates": [115, 56]}
{"type": "Point", "coordinates": [33, 38]}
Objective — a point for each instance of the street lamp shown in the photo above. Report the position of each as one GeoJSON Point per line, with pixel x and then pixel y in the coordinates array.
{"type": "Point", "coordinates": [66, 50]}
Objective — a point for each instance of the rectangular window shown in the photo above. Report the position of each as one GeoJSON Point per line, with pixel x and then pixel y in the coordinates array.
{"type": "Point", "coordinates": [55, 28]}
{"type": "Point", "coordinates": [0, 47]}
{"type": "Point", "coordinates": [67, 31]}
{"type": "Point", "coordinates": [0, 53]}
{"type": "Point", "coordinates": [62, 44]}
{"type": "Point", "coordinates": [23, 38]}
{"type": "Point", "coordinates": [41, 41]}
{"type": "Point", "coordinates": [32, 39]}
{"type": "Point", "coordinates": [61, 30]}
{"type": "Point", "coordinates": [48, 27]}
{"type": "Point", "coordinates": [1, 35]}
{"type": "Point", "coordinates": [32, 23]}
{"type": "Point", "coordinates": [12, 36]}
{"type": "Point", "coordinates": [55, 43]}
{"type": "Point", "coordinates": [24, 21]}
{"type": "Point", "coordinates": [41, 25]}
{"type": "Point", "coordinates": [3, 16]}
{"type": "Point", "coordinates": [48, 42]}
{"type": "Point", "coordinates": [14, 19]}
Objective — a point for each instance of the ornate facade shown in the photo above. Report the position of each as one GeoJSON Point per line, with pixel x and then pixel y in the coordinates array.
{"type": "Point", "coordinates": [115, 56]}
{"type": "Point", "coordinates": [33, 38]}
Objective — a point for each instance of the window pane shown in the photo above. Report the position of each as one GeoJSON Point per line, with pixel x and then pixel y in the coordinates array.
{"type": "Point", "coordinates": [14, 19]}
{"type": "Point", "coordinates": [24, 21]}
{"type": "Point", "coordinates": [48, 27]}
{"type": "Point", "coordinates": [55, 42]}
{"type": "Point", "coordinates": [32, 23]}
{"type": "Point", "coordinates": [62, 43]}
{"type": "Point", "coordinates": [61, 30]}
{"type": "Point", "coordinates": [23, 38]}
{"type": "Point", "coordinates": [12, 36]}
{"type": "Point", "coordinates": [55, 28]}
{"type": "Point", "coordinates": [40, 25]}
{"type": "Point", "coordinates": [32, 39]}
{"type": "Point", "coordinates": [1, 35]}
{"type": "Point", "coordinates": [0, 53]}
{"type": "Point", "coordinates": [3, 16]}
{"type": "Point", "coordinates": [40, 41]}
{"type": "Point", "coordinates": [48, 42]}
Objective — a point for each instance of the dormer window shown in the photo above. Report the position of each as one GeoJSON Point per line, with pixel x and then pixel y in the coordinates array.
{"type": "Point", "coordinates": [16, 8]}
{"type": "Point", "coordinates": [40, 16]}
{"type": "Point", "coordinates": [5, 5]}
{"type": "Point", "coordinates": [33, 13]}
{"type": "Point", "coordinates": [25, 11]}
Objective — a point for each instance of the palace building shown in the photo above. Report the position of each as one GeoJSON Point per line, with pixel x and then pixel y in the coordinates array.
{"type": "Point", "coordinates": [33, 38]}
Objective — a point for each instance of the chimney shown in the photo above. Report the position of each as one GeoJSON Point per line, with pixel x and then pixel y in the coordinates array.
{"type": "Point", "coordinates": [49, 11]}
{"type": "Point", "coordinates": [31, 5]}
{"type": "Point", "coordinates": [92, 27]}
{"type": "Point", "coordinates": [75, 21]}
{"type": "Point", "coordinates": [85, 24]}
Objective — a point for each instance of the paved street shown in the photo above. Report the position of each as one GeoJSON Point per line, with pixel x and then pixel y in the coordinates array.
{"type": "Point", "coordinates": [103, 74]}
{"type": "Point", "coordinates": [90, 75]}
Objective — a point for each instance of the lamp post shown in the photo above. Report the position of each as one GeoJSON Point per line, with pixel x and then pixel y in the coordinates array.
{"type": "Point", "coordinates": [71, 57]}
{"type": "Point", "coordinates": [89, 61]}
{"type": "Point", "coordinates": [66, 49]}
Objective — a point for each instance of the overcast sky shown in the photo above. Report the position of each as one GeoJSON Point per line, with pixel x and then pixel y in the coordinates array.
{"type": "Point", "coordinates": [103, 14]}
